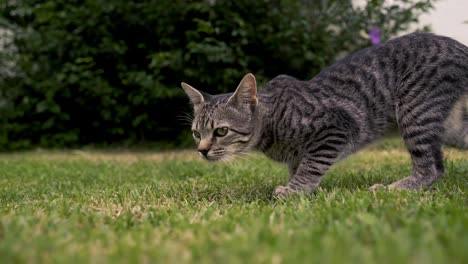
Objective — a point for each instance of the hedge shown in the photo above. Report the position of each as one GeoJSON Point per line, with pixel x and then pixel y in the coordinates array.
{"type": "Point", "coordinates": [98, 72]}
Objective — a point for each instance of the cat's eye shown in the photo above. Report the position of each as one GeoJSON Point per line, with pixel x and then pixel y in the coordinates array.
{"type": "Point", "coordinates": [196, 135]}
{"type": "Point", "coordinates": [221, 131]}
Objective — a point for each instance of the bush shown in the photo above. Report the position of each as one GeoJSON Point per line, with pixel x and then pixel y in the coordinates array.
{"type": "Point", "coordinates": [103, 72]}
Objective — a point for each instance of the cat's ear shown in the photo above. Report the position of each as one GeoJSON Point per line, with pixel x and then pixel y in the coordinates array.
{"type": "Point", "coordinates": [246, 93]}
{"type": "Point", "coordinates": [196, 97]}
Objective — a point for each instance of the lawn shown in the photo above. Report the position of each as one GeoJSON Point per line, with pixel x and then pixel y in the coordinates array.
{"type": "Point", "coordinates": [148, 207]}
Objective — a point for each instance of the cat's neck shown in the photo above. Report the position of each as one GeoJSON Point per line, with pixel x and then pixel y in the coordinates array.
{"type": "Point", "coordinates": [263, 124]}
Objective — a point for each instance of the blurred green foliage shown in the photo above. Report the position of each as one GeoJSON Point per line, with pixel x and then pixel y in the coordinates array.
{"type": "Point", "coordinates": [105, 72]}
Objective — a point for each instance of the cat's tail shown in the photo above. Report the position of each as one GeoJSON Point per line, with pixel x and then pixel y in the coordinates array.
{"type": "Point", "coordinates": [456, 125]}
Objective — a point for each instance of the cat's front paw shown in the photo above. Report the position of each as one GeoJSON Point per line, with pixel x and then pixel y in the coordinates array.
{"type": "Point", "coordinates": [377, 187]}
{"type": "Point", "coordinates": [282, 191]}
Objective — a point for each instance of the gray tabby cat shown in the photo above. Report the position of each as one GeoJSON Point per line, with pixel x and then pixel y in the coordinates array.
{"type": "Point", "coordinates": [413, 81]}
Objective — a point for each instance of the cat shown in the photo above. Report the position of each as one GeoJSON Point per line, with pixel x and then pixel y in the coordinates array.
{"type": "Point", "coordinates": [412, 81]}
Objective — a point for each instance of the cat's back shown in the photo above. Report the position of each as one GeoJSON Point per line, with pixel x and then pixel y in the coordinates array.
{"type": "Point", "coordinates": [380, 75]}
{"type": "Point", "coordinates": [283, 86]}
{"type": "Point", "coordinates": [374, 78]}
{"type": "Point", "coordinates": [383, 66]}
{"type": "Point", "coordinates": [411, 53]}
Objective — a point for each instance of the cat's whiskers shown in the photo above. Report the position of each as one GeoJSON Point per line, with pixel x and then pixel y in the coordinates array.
{"type": "Point", "coordinates": [244, 157]}
{"type": "Point", "coordinates": [185, 118]}
{"type": "Point", "coordinates": [228, 160]}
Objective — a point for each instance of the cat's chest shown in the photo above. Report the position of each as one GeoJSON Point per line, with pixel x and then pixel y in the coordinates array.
{"type": "Point", "coordinates": [282, 152]}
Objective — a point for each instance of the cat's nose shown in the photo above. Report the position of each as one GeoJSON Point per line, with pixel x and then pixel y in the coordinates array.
{"type": "Point", "coordinates": [204, 152]}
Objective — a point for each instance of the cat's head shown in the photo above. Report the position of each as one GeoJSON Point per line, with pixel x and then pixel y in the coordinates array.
{"type": "Point", "coordinates": [223, 125]}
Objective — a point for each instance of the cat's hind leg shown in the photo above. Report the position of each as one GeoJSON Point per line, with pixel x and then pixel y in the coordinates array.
{"type": "Point", "coordinates": [426, 159]}
{"type": "Point", "coordinates": [421, 126]}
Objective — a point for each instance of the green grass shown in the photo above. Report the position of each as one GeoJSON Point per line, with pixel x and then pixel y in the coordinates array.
{"type": "Point", "coordinates": [147, 207]}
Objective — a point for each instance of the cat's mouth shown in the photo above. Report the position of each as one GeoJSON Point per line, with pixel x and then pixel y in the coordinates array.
{"type": "Point", "coordinates": [213, 157]}
{"type": "Point", "coordinates": [220, 155]}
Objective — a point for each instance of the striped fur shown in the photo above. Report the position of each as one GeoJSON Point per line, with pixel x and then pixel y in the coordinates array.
{"type": "Point", "coordinates": [413, 81]}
